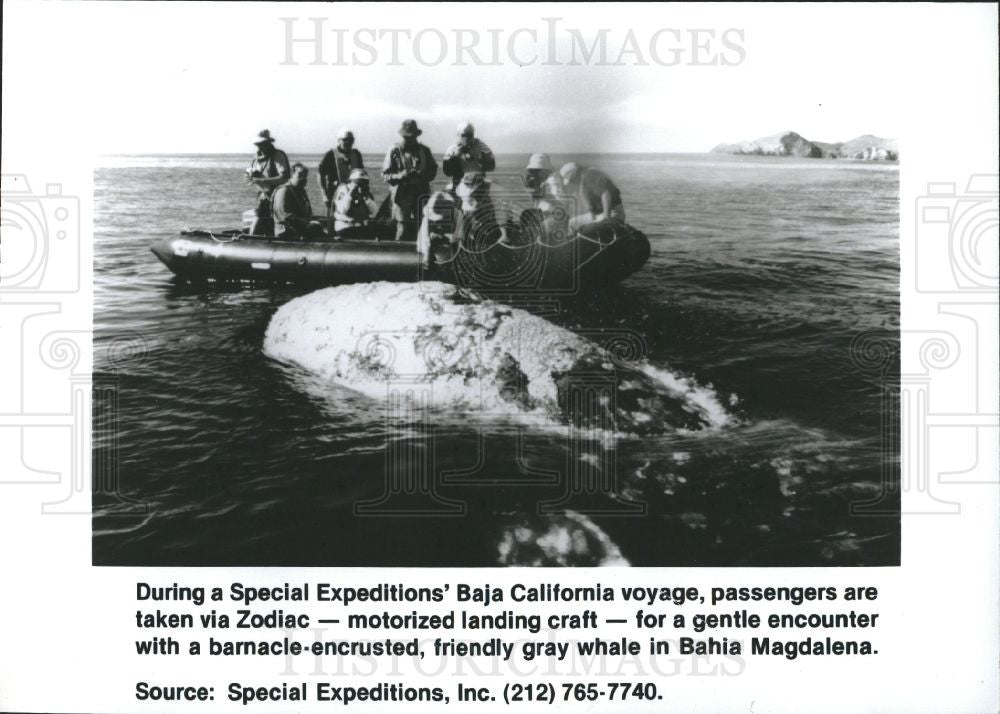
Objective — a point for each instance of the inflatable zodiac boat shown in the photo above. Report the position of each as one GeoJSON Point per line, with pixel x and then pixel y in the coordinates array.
{"type": "Point", "coordinates": [518, 262]}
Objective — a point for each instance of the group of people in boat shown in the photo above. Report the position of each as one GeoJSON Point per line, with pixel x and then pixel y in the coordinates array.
{"type": "Point", "coordinates": [415, 211]}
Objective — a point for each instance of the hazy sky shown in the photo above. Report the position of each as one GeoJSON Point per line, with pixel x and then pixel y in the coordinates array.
{"type": "Point", "coordinates": [201, 77]}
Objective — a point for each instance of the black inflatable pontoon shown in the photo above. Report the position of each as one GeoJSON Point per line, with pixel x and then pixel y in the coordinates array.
{"type": "Point", "coordinates": [598, 259]}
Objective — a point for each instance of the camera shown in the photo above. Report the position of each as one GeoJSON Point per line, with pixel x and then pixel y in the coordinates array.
{"type": "Point", "coordinates": [957, 237]}
{"type": "Point", "coordinates": [40, 238]}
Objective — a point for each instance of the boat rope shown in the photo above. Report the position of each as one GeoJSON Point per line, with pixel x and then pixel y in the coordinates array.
{"type": "Point", "coordinates": [539, 241]}
{"type": "Point", "coordinates": [462, 248]}
{"type": "Point", "coordinates": [233, 237]}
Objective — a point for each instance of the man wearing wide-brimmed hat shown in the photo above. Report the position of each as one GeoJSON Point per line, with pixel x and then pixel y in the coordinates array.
{"type": "Point", "coordinates": [269, 170]}
{"type": "Point", "coordinates": [550, 211]}
{"type": "Point", "coordinates": [409, 168]}
{"type": "Point", "coordinates": [540, 179]}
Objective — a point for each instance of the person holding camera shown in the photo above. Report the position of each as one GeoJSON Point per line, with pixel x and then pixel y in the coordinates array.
{"type": "Point", "coordinates": [468, 155]}
{"type": "Point", "coordinates": [354, 207]}
{"type": "Point", "coordinates": [409, 167]}
{"type": "Point", "coordinates": [268, 170]}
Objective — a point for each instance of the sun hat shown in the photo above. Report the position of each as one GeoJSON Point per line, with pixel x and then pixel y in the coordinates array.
{"type": "Point", "coordinates": [358, 175]}
{"type": "Point", "coordinates": [539, 161]}
{"type": "Point", "coordinates": [263, 137]}
{"type": "Point", "coordinates": [569, 170]}
{"type": "Point", "coordinates": [410, 128]}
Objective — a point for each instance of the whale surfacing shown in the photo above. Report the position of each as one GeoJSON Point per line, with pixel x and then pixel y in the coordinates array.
{"type": "Point", "coordinates": [476, 354]}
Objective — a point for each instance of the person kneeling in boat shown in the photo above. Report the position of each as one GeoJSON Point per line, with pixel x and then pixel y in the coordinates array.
{"type": "Point", "coordinates": [354, 207]}
{"type": "Point", "coordinates": [291, 210]}
{"type": "Point", "coordinates": [481, 228]}
{"type": "Point", "coordinates": [268, 171]}
{"type": "Point", "coordinates": [441, 226]}
{"type": "Point", "coordinates": [597, 194]}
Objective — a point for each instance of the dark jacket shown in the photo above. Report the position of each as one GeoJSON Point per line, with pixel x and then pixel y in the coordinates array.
{"type": "Point", "coordinates": [408, 190]}
{"type": "Point", "coordinates": [335, 169]}
{"type": "Point", "coordinates": [459, 160]}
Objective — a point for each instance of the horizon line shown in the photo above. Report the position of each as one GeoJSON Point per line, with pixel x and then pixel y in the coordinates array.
{"type": "Point", "coordinates": [497, 153]}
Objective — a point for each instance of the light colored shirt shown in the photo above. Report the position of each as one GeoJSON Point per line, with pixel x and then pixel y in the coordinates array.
{"type": "Point", "coordinates": [273, 166]}
{"type": "Point", "coordinates": [442, 219]}
{"type": "Point", "coordinates": [352, 208]}
{"type": "Point", "coordinates": [593, 184]}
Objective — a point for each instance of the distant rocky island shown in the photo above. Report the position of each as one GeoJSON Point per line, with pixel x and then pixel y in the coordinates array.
{"type": "Point", "coordinates": [791, 144]}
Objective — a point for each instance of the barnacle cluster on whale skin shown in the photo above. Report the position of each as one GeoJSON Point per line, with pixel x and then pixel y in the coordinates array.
{"type": "Point", "coordinates": [472, 354]}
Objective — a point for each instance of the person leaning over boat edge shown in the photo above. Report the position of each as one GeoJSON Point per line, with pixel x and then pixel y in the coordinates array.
{"type": "Point", "coordinates": [337, 164]}
{"type": "Point", "coordinates": [292, 210]}
{"type": "Point", "coordinates": [597, 193]}
{"type": "Point", "coordinates": [442, 224]}
{"type": "Point", "coordinates": [268, 170]}
{"type": "Point", "coordinates": [354, 207]}
{"type": "Point", "coordinates": [408, 168]}
{"type": "Point", "coordinates": [479, 216]}
{"type": "Point", "coordinates": [468, 155]}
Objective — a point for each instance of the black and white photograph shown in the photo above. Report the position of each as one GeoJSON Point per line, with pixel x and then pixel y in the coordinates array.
{"type": "Point", "coordinates": [512, 299]}
{"type": "Point", "coordinates": [605, 357]}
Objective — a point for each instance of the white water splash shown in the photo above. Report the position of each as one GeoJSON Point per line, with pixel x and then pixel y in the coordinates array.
{"type": "Point", "coordinates": [570, 539]}
{"type": "Point", "coordinates": [704, 398]}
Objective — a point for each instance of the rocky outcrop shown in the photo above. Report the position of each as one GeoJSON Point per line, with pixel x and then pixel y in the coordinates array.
{"type": "Point", "coordinates": [786, 144]}
{"type": "Point", "coordinates": [870, 147]}
{"type": "Point", "coordinates": [789, 143]}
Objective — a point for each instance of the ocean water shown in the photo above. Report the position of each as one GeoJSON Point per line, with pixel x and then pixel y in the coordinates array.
{"type": "Point", "coordinates": [770, 303]}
